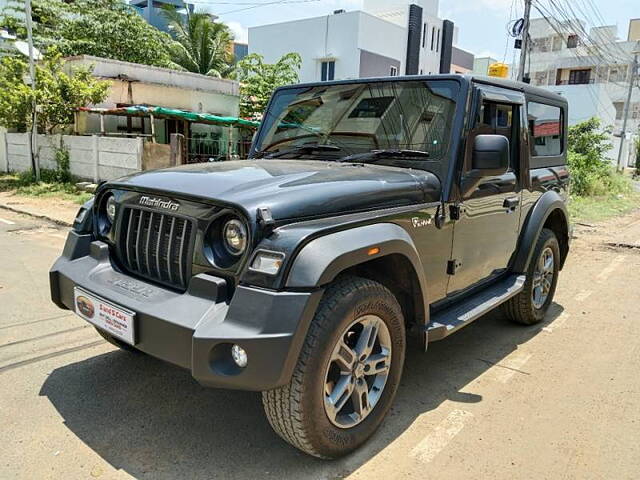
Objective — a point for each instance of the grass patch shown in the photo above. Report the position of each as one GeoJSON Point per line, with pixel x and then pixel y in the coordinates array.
{"type": "Point", "coordinates": [595, 209]}
{"type": "Point", "coordinates": [23, 184]}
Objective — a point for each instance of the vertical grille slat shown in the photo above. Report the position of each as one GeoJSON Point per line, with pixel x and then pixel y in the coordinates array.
{"type": "Point", "coordinates": [156, 245]}
{"type": "Point", "coordinates": [171, 237]}
{"type": "Point", "coordinates": [127, 245]}
{"type": "Point", "coordinates": [182, 238]}
{"type": "Point", "coordinates": [160, 241]}
{"type": "Point", "coordinates": [138, 242]}
{"type": "Point", "coordinates": [148, 244]}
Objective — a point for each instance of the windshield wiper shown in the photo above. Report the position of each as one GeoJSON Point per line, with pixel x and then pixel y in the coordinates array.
{"type": "Point", "coordinates": [374, 155]}
{"type": "Point", "coordinates": [309, 148]}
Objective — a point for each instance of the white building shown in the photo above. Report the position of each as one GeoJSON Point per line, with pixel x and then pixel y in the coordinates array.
{"type": "Point", "coordinates": [135, 84]}
{"type": "Point", "coordinates": [593, 74]}
{"type": "Point", "coordinates": [386, 38]}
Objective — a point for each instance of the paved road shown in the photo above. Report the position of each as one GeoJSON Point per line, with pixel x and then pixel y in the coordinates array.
{"type": "Point", "coordinates": [559, 400]}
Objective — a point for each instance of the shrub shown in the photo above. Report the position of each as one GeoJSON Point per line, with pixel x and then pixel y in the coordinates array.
{"type": "Point", "coordinates": [591, 173]}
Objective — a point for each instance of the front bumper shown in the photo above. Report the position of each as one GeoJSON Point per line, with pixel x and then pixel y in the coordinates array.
{"type": "Point", "coordinates": [197, 328]}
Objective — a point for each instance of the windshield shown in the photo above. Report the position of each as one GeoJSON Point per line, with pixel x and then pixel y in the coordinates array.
{"type": "Point", "coordinates": [360, 118]}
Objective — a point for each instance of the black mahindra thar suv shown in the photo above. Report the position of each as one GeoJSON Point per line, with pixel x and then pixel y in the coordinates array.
{"type": "Point", "coordinates": [369, 210]}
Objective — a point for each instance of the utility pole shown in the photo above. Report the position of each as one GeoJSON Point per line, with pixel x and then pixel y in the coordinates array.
{"type": "Point", "coordinates": [33, 144]}
{"type": "Point", "coordinates": [633, 70]}
{"type": "Point", "coordinates": [525, 40]}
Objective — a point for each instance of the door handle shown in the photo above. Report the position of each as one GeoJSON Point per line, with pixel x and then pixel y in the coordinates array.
{"type": "Point", "coordinates": [511, 203]}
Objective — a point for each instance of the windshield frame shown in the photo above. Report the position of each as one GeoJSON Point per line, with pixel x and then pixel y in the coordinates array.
{"type": "Point", "coordinates": [459, 97]}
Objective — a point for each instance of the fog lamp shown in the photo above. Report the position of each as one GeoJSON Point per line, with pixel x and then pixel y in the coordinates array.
{"type": "Point", "coordinates": [267, 262]}
{"type": "Point", "coordinates": [239, 356]}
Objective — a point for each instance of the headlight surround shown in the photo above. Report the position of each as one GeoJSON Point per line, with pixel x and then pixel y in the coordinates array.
{"type": "Point", "coordinates": [110, 208]}
{"type": "Point", "coordinates": [106, 214]}
{"type": "Point", "coordinates": [234, 237]}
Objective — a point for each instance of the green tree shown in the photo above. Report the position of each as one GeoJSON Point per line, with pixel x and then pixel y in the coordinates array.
{"type": "Point", "coordinates": [104, 28]}
{"type": "Point", "coordinates": [201, 45]}
{"type": "Point", "coordinates": [58, 93]}
{"type": "Point", "coordinates": [258, 80]}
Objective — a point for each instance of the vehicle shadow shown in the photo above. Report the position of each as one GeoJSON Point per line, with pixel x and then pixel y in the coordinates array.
{"type": "Point", "coordinates": [153, 420]}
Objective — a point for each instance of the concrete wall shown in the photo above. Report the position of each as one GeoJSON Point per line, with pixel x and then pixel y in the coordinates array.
{"type": "Point", "coordinates": [156, 155]}
{"type": "Point", "coordinates": [91, 157]}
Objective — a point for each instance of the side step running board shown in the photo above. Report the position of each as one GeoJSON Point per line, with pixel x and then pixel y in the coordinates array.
{"type": "Point", "coordinates": [447, 321]}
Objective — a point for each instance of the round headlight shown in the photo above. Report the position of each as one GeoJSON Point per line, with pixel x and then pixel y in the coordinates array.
{"type": "Point", "coordinates": [234, 235]}
{"type": "Point", "coordinates": [110, 208]}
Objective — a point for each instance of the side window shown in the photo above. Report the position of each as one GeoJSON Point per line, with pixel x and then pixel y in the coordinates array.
{"type": "Point", "coordinates": [545, 129]}
{"type": "Point", "coordinates": [498, 119]}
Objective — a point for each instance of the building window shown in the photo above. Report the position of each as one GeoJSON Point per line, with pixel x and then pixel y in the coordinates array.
{"type": "Point", "coordinates": [393, 72]}
{"type": "Point", "coordinates": [328, 71]}
{"type": "Point", "coordinates": [438, 41]}
{"type": "Point", "coordinates": [424, 35]}
{"type": "Point", "coordinates": [433, 37]}
{"type": "Point", "coordinates": [572, 41]}
{"type": "Point", "coordinates": [619, 106]}
{"type": "Point", "coordinates": [579, 77]}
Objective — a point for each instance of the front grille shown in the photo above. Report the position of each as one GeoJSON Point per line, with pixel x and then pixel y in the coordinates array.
{"type": "Point", "coordinates": [156, 246]}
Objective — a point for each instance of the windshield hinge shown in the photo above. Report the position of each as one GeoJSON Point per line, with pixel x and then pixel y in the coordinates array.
{"type": "Point", "coordinates": [265, 219]}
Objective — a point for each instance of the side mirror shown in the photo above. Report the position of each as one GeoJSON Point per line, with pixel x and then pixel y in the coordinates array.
{"type": "Point", "coordinates": [489, 158]}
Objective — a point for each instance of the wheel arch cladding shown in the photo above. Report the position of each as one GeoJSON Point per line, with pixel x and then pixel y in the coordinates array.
{"type": "Point", "coordinates": [550, 211]}
{"type": "Point", "coordinates": [397, 266]}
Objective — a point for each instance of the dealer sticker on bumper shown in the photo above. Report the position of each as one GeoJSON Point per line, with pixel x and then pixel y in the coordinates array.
{"type": "Point", "coordinates": [111, 318]}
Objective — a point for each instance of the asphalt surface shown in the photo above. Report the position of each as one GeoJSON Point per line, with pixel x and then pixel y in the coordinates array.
{"type": "Point", "coordinates": [495, 400]}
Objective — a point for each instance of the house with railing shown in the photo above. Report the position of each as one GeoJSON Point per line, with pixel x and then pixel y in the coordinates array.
{"type": "Point", "coordinates": [151, 118]}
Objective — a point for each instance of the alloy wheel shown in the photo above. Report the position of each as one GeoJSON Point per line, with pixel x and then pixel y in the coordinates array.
{"type": "Point", "coordinates": [357, 372]}
{"type": "Point", "coordinates": [543, 278]}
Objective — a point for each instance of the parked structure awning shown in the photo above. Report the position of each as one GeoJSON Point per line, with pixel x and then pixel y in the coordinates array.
{"type": "Point", "coordinates": [172, 113]}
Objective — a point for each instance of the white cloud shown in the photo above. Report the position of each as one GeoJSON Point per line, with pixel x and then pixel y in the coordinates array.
{"type": "Point", "coordinates": [240, 32]}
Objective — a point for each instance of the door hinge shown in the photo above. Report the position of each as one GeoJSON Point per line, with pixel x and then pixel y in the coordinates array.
{"type": "Point", "coordinates": [455, 212]}
{"type": "Point", "coordinates": [453, 266]}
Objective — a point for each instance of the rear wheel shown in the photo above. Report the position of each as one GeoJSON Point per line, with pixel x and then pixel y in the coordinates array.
{"type": "Point", "coordinates": [531, 305]}
{"type": "Point", "coordinates": [347, 374]}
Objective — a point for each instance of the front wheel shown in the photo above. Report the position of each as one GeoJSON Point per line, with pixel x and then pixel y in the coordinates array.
{"type": "Point", "coordinates": [531, 304]}
{"type": "Point", "coordinates": [347, 374]}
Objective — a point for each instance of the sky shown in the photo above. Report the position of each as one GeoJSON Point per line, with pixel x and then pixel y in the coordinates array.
{"type": "Point", "coordinates": [482, 23]}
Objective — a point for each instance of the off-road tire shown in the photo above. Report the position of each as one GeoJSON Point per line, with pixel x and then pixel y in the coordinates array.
{"type": "Point", "coordinates": [520, 309]}
{"type": "Point", "coordinates": [296, 411]}
{"type": "Point", "coordinates": [117, 343]}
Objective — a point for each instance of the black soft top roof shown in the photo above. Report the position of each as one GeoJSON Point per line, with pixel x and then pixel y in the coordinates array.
{"type": "Point", "coordinates": [498, 82]}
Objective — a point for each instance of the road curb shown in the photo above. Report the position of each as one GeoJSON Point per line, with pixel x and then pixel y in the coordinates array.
{"type": "Point", "coordinates": [59, 222]}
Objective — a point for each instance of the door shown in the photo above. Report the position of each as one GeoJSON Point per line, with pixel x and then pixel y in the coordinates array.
{"type": "Point", "coordinates": [486, 232]}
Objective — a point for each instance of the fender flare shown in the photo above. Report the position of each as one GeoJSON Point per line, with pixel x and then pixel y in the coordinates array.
{"type": "Point", "coordinates": [321, 260]}
{"type": "Point", "coordinates": [546, 204]}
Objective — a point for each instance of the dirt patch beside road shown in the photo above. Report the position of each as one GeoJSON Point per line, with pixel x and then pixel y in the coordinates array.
{"type": "Point", "coordinates": [59, 210]}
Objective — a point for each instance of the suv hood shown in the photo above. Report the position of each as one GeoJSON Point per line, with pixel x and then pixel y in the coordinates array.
{"type": "Point", "coordinates": [292, 188]}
